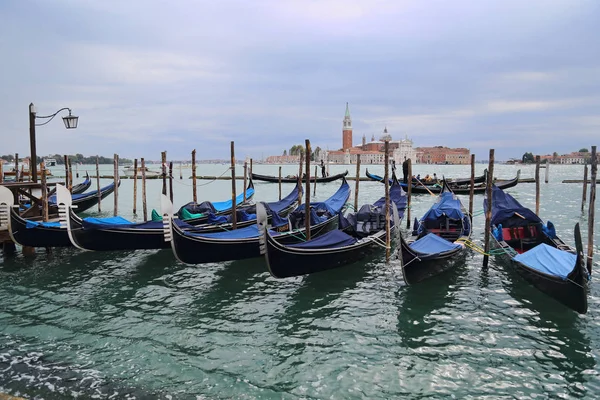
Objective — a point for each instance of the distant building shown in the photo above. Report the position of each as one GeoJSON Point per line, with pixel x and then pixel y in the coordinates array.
{"type": "Point", "coordinates": [282, 160]}
{"type": "Point", "coordinates": [443, 155]}
{"type": "Point", "coordinates": [372, 152]}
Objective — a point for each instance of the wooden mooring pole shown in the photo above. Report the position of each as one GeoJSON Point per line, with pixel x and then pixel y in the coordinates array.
{"type": "Point", "coordinates": [144, 204]}
{"type": "Point", "coordinates": [315, 184]}
{"type": "Point", "coordinates": [66, 158]}
{"type": "Point", "coordinates": [194, 188]}
{"type": "Point", "coordinates": [585, 177]}
{"type": "Point", "coordinates": [16, 167]}
{"type": "Point", "coordinates": [233, 193]}
{"type": "Point", "coordinates": [135, 175]}
{"type": "Point", "coordinates": [245, 177]}
{"type": "Point", "coordinates": [71, 175]}
{"type": "Point", "coordinates": [488, 214]}
{"type": "Point", "coordinates": [163, 166]}
{"type": "Point", "coordinates": [537, 185]}
{"type": "Point", "coordinates": [98, 185]}
{"type": "Point", "coordinates": [1, 173]}
{"type": "Point", "coordinates": [591, 209]}
{"type": "Point", "coordinates": [116, 181]}
{"type": "Point", "coordinates": [387, 201]}
{"type": "Point", "coordinates": [280, 182]}
{"type": "Point", "coordinates": [547, 172]}
{"type": "Point", "coordinates": [307, 201]}
{"type": "Point", "coordinates": [409, 193]}
{"type": "Point", "coordinates": [171, 181]}
{"type": "Point", "coordinates": [357, 183]}
{"type": "Point", "coordinates": [300, 181]}
{"type": "Point", "coordinates": [44, 192]}
{"type": "Point", "coordinates": [472, 188]}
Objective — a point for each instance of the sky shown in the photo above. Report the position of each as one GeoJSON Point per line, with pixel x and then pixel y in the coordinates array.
{"type": "Point", "coordinates": [146, 76]}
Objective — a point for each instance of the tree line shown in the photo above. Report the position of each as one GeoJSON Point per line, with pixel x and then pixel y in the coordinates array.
{"type": "Point", "coordinates": [529, 158]}
{"type": "Point", "coordinates": [298, 150]}
{"type": "Point", "coordinates": [77, 158]}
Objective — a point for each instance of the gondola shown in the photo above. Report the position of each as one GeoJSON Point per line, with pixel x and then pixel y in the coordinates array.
{"type": "Point", "coordinates": [196, 214]}
{"type": "Point", "coordinates": [83, 186]}
{"type": "Point", "coordinates": [452, 182]}
{"type": "Point", "coordinates": [275, 179]}
{"type": "Point", "coordinates": [456, 189]}
{"type": "Point", "coordinates": [83, 201]}
{"type": "Point", "coordinates": [117, 233]}
{"type": "Point", "coordinates": [537, 253]}
{"type": "Point", "coordinates": [436, 242]}
{"type": "Point", "coordinates": [358, 235]}
{"type": "Point", "coordinates": [198, 248]}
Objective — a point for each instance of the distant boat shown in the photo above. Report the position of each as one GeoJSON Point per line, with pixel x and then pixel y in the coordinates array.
{"type": "Point", "coordinates": [50, 162]}
{"type": "Point", "coordinates": [149, 173]}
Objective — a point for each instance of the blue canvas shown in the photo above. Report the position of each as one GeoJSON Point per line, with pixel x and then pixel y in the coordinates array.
{"type": "Point", "coordinates": [431, 244]}
{"type": "Point", "coordinates": [329, 240]}
{"type": "Point", "coordinates": [549, 260]}
{"type": "Point", "coordinates": [504, 206]}
{"type": "Point", "coordinates": [447, 204]}
{"type": "Point", "coordinates": [34, 224]}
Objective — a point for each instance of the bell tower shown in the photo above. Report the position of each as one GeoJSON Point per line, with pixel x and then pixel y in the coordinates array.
{"type": "Point", "coordinates": [347, 130]}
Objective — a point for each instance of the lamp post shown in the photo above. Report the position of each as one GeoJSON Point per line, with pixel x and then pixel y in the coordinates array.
{"type": "Point", "coordinates": [70, 123]}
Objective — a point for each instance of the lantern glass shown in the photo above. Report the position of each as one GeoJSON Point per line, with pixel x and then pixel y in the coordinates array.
{"type": "Point", "coordinates": [71, 121]}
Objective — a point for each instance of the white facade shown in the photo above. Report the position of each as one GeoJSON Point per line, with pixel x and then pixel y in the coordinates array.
{"type": "Point", "coordinates": [405, 149]}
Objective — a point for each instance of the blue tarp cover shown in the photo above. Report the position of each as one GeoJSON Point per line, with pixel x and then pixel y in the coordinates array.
{"type": "Point", "coordinates": [278, 206]}
{"type": "Point", "coordinates": [52, 199]}
{"type": "Point", "coordinates": [505, 206]}
{"type": "Point", "coordinates": [447, 204]}
{"type": "Point", "coordinates": [241, 233]}
{"type": "Point", "coordinates": [432, 243]}
{"type": "Point", "coordinates": [35, 224]}
{"type": "Point", "coordinates": [120, 222]}
{"type": "Point", "coordinates": [549, 260]}
{"type": "Point", "coordinates": [334, 204]}
{"type": "Point", "coordinates": [329, 240]}
{"type": "Point", "coordinates": [398, 196]}
{"type": "Point", "coordinates": [226, 205]}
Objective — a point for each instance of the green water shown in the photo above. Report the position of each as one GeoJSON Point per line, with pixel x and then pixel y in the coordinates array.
{"type": "Point", "coordinates": [141, 325]}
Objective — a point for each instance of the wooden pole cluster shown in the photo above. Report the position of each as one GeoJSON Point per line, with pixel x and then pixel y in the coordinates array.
{"type": "Point", "coordinates": [44, 192]}
{"type": "Point", "coordinates": [488, 214]}
{"type": "Point", "coordinates": [245, 177]}
{"type": "Point", "coordinates": [307, 201]}
{"type": "Point", "coordinates": [194, 188]}
{"type": "Point", "coordinates": [387, 201]}
{"type": "Point", "coordinates": [144, 205]}
{"type": "Point", "coordinates": [280, 182]}
{"type": "Point", "coordinates": [357, 183]}
{"type": "Point", "coordinates": [472, 189]}
{"type": "Point", "coordinates": [537, 185]}
{"type": "Point", "coordinates": [171, 181]}
{"type": "Point", "coordinates": [233, 193]}
{"type": "Point", "coordinates": [116, 181]}
{"type": "Point", "coordinates": [409, 193]}
{"type": "Point", "coordinates": [591, 209]}
{"type": "Point", "coordinates": [98, 185]}
{"type": "Point", "coordinates": [163, 164]}
{"type": "Point", "coordinates": [585, 177]}
{"type": "Point", "coordinates": [135, 175]}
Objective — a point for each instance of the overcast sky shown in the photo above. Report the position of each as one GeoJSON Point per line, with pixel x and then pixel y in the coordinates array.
{"type": "Point", "coordinates": [146, 76]}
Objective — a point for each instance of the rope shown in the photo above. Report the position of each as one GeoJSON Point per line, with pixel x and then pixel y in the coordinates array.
{"type": "Point", "coordinates": [199, 184]}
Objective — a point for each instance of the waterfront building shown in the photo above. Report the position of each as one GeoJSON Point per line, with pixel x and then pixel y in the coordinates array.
{"type": "Point", "coordinates": [443, 155]}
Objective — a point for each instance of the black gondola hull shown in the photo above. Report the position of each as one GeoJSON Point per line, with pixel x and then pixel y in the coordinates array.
{"type": "Point", "coordinates": [285, 262]}
{"type": "Point", "coordinates": [39, 236]}
{"type": "Point", "coordinates": [200, 250]}
{"type": "Point", "coordinates": [275, 179]}
{"type": "Point", "coordinates": [571, 292]}
{"type": "Point", "coordinates": [418, 267]}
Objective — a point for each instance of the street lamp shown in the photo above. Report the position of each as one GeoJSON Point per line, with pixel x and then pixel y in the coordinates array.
{"type": "Point", "coordinates": [70, 123]}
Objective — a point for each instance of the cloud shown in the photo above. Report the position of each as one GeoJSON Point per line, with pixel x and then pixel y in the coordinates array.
{"type": "Point", "coordinates": [149, 76]}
